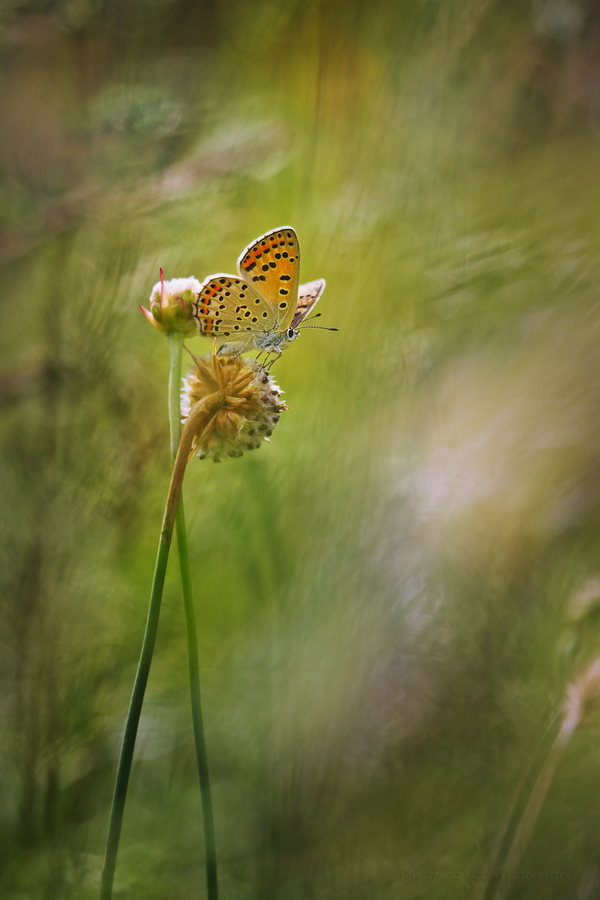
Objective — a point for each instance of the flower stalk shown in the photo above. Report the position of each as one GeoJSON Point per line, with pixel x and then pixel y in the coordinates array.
{"type": "Point", "coordinates": [176, 346]}
{"type": "Point", "coordinates": [141, 678]}
{"type": "Point", "coordinates": [230, 405]}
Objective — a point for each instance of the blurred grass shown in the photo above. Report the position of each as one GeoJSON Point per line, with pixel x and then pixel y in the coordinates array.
{"type": "Point", "coordinates": [393, 596]}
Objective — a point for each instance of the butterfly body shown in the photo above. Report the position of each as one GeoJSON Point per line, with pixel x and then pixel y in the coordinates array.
{"type": "Point", "coordinates": [263, 306]}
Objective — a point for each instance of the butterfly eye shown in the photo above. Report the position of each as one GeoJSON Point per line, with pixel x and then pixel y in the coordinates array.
{"type": "Point", "coordinates": [291, 334]}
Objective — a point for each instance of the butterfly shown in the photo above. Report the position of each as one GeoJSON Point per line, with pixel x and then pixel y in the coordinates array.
{"type": "Point", "coordinates": [263, 308]}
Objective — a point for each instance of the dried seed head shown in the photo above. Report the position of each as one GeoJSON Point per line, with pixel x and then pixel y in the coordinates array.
{"type": "Point", "coordinates": [241, 405]}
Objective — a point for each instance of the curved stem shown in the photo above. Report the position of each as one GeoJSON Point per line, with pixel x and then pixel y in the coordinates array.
{"type": "Point", "coordinates": [143, 670]}
{"type": "Point", "coordinates": [139, 686]}
{"type": "Point", "coordinates": [196, 703]}
{"type": "Point", "coordinates": [176, 345]}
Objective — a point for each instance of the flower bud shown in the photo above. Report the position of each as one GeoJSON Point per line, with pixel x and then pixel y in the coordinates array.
{"type": "Point", "coordinates": [171, 305]}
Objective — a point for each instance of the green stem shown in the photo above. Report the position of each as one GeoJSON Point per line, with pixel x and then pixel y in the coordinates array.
{"type": "Point", "coordinates": [139, 687]}
{"type": "Point", "coordinates": [141, 678]}
{"type": "Point", "coordinates": [175, 350]}
{"type": "Point", "coordinates": [176, 344]}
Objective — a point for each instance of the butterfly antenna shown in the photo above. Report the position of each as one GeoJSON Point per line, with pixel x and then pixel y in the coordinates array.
{"type": "Point", "coordinates": [316, 316]}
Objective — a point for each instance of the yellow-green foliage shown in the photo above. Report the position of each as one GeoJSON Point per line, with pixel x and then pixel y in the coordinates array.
{"type": "Point", "coordinates": [392, 596]}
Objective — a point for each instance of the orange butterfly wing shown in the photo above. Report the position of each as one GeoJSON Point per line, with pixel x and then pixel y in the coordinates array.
{"type": "Point", "coordinates": [271, 265]}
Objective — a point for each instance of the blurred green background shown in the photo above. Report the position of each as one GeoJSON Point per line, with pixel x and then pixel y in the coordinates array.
{"type": "Point", "coordinates": [393, 596]}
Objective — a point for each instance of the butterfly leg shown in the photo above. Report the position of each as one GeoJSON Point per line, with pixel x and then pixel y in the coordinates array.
{"type": "Point", "coordinates": [279, 353]}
